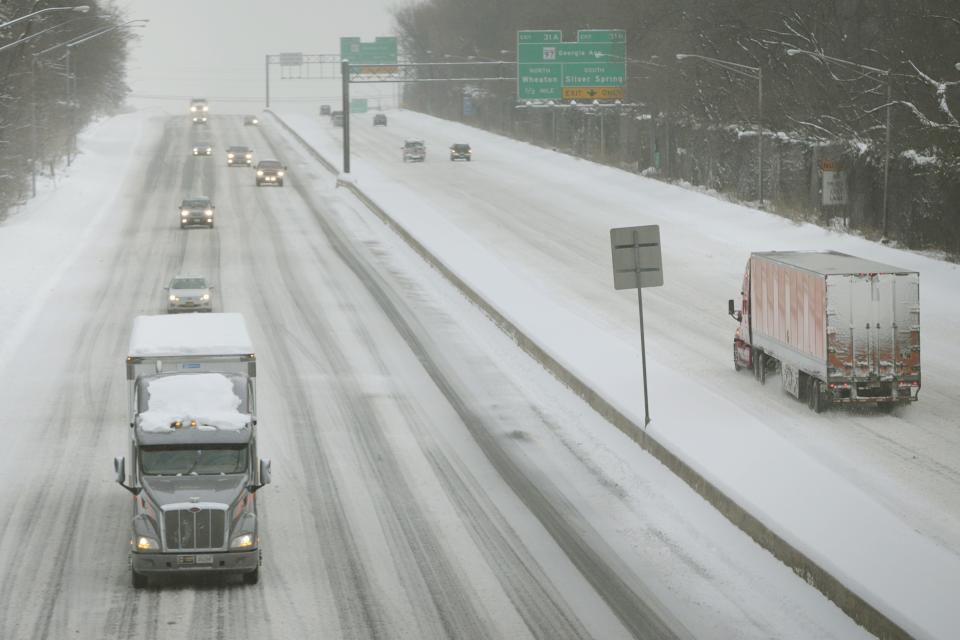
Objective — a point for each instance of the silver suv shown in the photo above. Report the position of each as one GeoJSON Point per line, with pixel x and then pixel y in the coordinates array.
{"type": "Point", "coordinates": [189, 293]}
{"type": "Point", "coordinates": [414, 151]}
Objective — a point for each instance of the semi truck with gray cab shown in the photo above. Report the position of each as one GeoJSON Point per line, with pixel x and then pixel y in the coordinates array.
{"type": "Point", "coordinates": [842, 330]}
{"type": "Point", "coordinates": [193, 466]}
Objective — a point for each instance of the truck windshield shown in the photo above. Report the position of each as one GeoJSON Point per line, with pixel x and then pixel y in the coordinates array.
{"type": "Point", "coordinates": [190, 460]}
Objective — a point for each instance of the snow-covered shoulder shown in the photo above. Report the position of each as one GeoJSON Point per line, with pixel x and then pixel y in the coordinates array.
{"type": "Point", "coordinates": [208, 398]}
{"type": "Point", "coordinates": [190, 334]}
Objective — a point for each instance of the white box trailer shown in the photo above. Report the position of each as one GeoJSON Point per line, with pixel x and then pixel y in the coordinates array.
{"type": "Point", "coordinates": [843, 330]}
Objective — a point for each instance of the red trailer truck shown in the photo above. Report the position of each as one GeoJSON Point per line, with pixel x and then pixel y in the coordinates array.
{"type": "Point", "coordinates": [841, 329]}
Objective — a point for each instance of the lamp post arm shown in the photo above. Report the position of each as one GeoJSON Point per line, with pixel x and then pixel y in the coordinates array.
{"type": "Point", "coordinates": [78, 9]}
{"type": "Point", "coordinates": [36, 35]}
{"type": "Point", "coordinates": [735, 67]}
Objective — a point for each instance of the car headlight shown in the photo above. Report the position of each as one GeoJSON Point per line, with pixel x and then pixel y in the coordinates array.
{"type": "Point", "coordinates": [244, 541]}
{"type": "Point", "coordinates": [206, 297]}
{"type": "Point", "coordinates": [147, 544]}
{"type": "Point", "coordinates": [209, 212]}
{"type": "Point", "coordinates": [259, 173]}
{"type": "Point", "coordinates": [279, 174]}
{"type": "Point", "coordinates": [185, 213]}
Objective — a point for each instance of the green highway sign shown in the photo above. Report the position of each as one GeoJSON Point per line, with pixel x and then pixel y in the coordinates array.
{"type": "Point", "coordinates": [550, 69]}
{"type": "Point", "coordinates": [531, 37]}
{"type": "Point", "coordinates": [358, 105]}
{"type": "Point", "coordinates": [382, 51]}
{"type": "Point", "coordinates": [594, 74]}
{"type": "Point", "coordinates": [540, 81]}
{"type": "Point", "coordinates": [602, 35]}
{"type": "Point", "coordinates": [571, 52]}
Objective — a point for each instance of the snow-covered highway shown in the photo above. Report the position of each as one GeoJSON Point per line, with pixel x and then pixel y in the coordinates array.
{"type": "Point", "coordinates": [430, 480]}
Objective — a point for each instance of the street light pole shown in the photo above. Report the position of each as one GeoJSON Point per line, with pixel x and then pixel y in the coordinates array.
{"type": "Point", "coordinates": [886, 144]}
{"type": "Point", "coordinates": [886, 162]}
{"type": "Point", "coordinates": [756, 73]}
{"type": "Point", "coordinates": [760, 134]}
{"type": "Point", "coordinates": [71, 85]}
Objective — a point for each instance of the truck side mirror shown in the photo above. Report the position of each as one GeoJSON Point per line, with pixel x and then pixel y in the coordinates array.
{"type": "Point", "coordinates": [736, 315]}
{"type": "Point", "coordinates": [119, 469]}
{"type": "Point", "coordinates": [265, 476]}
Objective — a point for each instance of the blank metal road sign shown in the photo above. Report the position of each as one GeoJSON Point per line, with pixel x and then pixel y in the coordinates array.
{"type": "Point", "coordinates": [637, 262]}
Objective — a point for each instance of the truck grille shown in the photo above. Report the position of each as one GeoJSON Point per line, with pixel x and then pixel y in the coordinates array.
{"type": "Point", "coordinates": [194, 529]}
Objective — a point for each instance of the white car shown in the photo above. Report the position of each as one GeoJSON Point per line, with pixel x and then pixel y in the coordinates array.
{"type": "Point", "coordinates": [189, 293]}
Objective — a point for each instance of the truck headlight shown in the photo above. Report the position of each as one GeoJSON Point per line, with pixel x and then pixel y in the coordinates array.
{"type": "Point", "coordinates": [249, 156]}
{"type": "Point", "coordinates": [206, 108]}
{"type": "Point", "coordinates": [146, 544]}
{"type": "Point", "coordinates": [206, 297]}
{"type": "Point", "coordinates": [229, 155]}
{"type": "Point", "coordinates": [279, 174]}
{"type": "Point", "coordinates": [184, 212]}
{"type": "Point", "coordinates": [259, 173]}
{"type": "Point", "coordinates": [244, 541]}
{"type": "Point", "coordinates": [209, 212]}
{"type": "Point", "coordinates": [173, 298]}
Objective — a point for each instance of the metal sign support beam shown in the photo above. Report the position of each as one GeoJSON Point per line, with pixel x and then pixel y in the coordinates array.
{"type": "Point", "coordinates": [345, 75]}
{"type": "Point", "coordinates": [637, 263]}
{"type": "Point", "coordinates": [404, 72]}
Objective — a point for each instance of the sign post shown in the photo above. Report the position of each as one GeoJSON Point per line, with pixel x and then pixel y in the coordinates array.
{"type": "Point", "coordinates": [637, 263]}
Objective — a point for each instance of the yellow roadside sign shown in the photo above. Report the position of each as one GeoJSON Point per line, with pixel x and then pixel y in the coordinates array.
{"type": "Point", "coordinates": [381, 70]}
{"type": "Point", "coordinates": [593, 93]}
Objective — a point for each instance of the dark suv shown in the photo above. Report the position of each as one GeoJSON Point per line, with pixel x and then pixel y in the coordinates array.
{"type": "Point", "coordinates": [196, 212]}
{"type": "Point", "coordinates": [380, 120]}
{"type": "Point", "coordinates": [270, 172]}
{"type": "Point", "coordinates": [239, 157]}
{"type": "Point", "coordinates": [460, 151]}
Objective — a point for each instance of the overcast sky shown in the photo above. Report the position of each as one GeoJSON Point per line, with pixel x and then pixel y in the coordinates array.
{"type": "Point", "coordinates": [216, 48]}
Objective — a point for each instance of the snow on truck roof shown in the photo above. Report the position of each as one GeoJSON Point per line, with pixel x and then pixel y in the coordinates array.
{"type": "Point", "coordinates": [192, 334]}
{"type": "Point", "coordinates": [206, 398]}
{"type": "Point", "coordinates": [830, 262]}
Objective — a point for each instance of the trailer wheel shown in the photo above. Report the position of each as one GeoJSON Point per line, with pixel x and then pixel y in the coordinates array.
{"type": "Point", "coordinates": [816, 396]}
{"type": "Point", "coordinates": [138, 580]}
{"type": "Point", "coordinates": [736, 364]}
{"type": "Point", "coordinates": [760, 363]}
